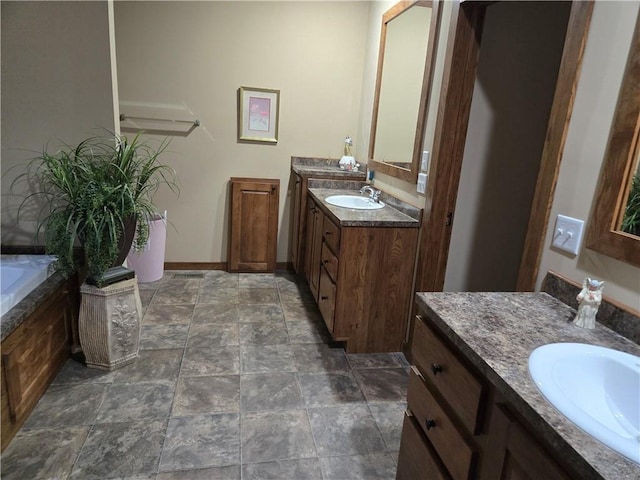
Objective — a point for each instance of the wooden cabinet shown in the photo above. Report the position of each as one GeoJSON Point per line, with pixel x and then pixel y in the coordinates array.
{"type": "Point", "coordinates": [314, 242]}
{"type": "Point", "coordinates": [516, 455]}
{"type": "Point", "coordinates": [253, 233]}
{"type": "Point", "coordinates": [361, 278]}
{"type": "Point", "coordinates": [459, 419]}
{"type": "Point", "coordinates": [296, 213]}
{"type": "Point", "coordinates": [32, 355]}
{"type": "Point", "coordinates": [299, 208]}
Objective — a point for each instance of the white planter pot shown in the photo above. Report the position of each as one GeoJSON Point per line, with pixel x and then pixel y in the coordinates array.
{"type": "Point", "coordinates": [110, 324]}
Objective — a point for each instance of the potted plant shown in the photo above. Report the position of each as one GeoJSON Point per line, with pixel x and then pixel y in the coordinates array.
{"type": "Point", "coordinates": [98, 195]}
{"type": "Point", "coordinates": [631, 218]}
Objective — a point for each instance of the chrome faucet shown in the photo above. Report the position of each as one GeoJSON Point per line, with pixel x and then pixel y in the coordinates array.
{"type": "Point", "coordinates": [373, 193]}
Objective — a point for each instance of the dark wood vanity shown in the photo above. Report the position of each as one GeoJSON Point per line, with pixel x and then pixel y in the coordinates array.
{"type": "Point", "coordinates": [359, 267]}
{"type": "Point", "coordinates": [472, 410]}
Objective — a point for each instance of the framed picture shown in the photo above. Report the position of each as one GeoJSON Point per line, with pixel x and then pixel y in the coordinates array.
{"type": "Point", "coordinates": [258, 110]}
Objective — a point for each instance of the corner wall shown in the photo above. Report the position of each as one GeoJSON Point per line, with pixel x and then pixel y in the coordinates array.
{"type": "Point", "coordinates": [56, 88]}
{"type": "Point", "coordinates": [597, 93]}
{"type": "Point", "coordinates": [191, 57]}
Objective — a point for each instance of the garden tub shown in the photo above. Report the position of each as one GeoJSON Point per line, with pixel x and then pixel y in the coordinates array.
{"type": "Point", "coordinates": [20, 275]}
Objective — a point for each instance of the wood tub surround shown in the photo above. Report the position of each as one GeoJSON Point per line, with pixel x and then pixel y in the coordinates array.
{"type": "Point", "coordinates": [472, 409]}
{"type": "Point", "coordinates": [359, 266]}
{"type": "Point", "coordinates": [37, 338]}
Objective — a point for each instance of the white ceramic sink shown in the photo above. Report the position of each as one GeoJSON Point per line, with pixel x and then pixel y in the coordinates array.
{"type": "Point", "coordinates": [596, 388]}
{"type": "Point", "coordinates": [354, 201]}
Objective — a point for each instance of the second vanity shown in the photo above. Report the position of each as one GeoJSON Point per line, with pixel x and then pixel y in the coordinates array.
{"type": "Point", "coordinates": [359, 266]}
{"type": "Point", "coordinates": [473, 410]}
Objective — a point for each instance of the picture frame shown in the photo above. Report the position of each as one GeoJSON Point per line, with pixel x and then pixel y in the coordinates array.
{"type": "Point", "coordinates": [258, 115]}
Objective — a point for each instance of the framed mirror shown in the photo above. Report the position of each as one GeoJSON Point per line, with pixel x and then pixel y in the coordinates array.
{"type": "Point", "coordinates": [403, 82]}
{"type": "Point", "coordinates": [614, 201]}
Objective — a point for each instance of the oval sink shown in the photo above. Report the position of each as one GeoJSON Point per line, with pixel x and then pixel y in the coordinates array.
{"type": "Point", "coordinates": [354, 201]}
{"type": "Point", "coordinates": [596, 388]}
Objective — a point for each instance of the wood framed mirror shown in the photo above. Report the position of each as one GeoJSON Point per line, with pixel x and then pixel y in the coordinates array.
{"type": "Point", "coordinates": [403, 84]}
{"type": "Point", "coordinates": [605, 233]}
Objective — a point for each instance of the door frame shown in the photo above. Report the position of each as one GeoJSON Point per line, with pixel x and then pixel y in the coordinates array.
{"type": "Point", "coordinates": [461, 62]}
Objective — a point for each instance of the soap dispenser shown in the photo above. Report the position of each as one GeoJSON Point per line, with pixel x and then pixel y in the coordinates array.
{"type": "Point", "coordinates": [347, 162]}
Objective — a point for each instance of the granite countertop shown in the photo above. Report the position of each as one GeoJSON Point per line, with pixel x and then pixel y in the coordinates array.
{"type": "Point", "coordinates": [497, 332]}
{"type": "Point", "coordinates": [389, 216]}
{"type": "Point", "coordinates": [324, 167]}
{"type": "Point", "coordinates": [19, 313]}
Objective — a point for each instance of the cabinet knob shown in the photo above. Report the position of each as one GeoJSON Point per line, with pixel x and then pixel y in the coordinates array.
{"type": "Point", "coordinates": [429, 423]}
{"type": "Point", "coordinates": [327, 233]}
{"type": "Point", "coordinates": [323, 298]}
{"type": "Point", "coordinates": [436, 368]}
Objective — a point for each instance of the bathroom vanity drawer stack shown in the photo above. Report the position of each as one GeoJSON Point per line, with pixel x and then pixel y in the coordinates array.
{"type": "Point", "coordinates": [360, 277]}
{"type": "Point", "coordinates": [457, 426]}
{"type": "Point", "coordinates": [444, 400]}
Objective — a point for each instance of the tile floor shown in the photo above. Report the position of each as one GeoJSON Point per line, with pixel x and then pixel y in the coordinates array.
{"type": "Point", "coordinates": [235, 380]}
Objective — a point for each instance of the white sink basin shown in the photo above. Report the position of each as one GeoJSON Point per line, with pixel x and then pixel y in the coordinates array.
{"type": "Point", "coordinates": [596, 388]}
{"type": "Point", "coordinates": [354, 201]}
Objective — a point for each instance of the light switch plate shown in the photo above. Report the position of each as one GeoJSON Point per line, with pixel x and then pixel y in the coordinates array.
{"type": "Point", "coordinates": [422, 183]}
{"type": "Point", "coordinates": [424, 164]}
{"type": "Point", "coordinates": [567, 234]}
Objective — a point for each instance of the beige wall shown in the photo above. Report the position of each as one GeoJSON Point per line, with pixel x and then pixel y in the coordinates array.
{"type": "Point", "coordinates": [512, 98]}
{"type": "Point", "coordinates": [190, 58]}
{"type": "Point", "coordinates": [56, 87]}
{"type": "Point", "coordinates": [596, 96]}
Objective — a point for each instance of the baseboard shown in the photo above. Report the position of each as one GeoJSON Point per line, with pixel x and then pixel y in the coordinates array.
{"type": "Point", "coordinates": [195, 265]}
{"type": "Point", "coordinates": [280, 266]}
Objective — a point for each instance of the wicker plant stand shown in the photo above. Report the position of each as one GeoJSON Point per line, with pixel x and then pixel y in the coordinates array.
{"type": "Point", "coordinates": [110, 324]}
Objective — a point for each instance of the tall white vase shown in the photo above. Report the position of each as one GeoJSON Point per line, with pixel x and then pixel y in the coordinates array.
{"type": "Point", "coordinates": [110, 324]}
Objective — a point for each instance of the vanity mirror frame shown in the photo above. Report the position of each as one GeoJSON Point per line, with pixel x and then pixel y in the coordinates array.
{"type": "Point", "coordinates": [407, 174]}
{"type": "Point", "coordinates": [604, 234]}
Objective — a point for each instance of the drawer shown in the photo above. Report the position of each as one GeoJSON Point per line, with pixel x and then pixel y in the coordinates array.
{"type": "Point", "coordinates": [416, 459]}
{"type": "Point", "coordinates": [454, 450]}
{"type": "Point", "coordinates": [331, 234]}
{"type": "Point", "coordinates": [327, 298]}
{"type": "Point", "coordinates": [330, 262]}
{"type": "Point", "coordinates": [458, 386]}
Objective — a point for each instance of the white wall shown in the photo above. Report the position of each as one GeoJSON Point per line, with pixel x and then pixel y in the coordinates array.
{"type": "Point", "coordinates": [193, 56]}
{"type": "Point", "coordinates": [603, 65]}
{"type": "Point", "coordinates": [56, 87]}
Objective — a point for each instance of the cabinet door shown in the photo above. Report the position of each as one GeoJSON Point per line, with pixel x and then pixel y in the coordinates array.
{"type": "Point", "coordinates": [416, 459]}
{"type": "Point", "coordinates": [327, 298]}
{"type": "Point", "coordinates": [515, 454]}
{"type": "Point", "coordinates": [254, 224]}
{"type": "Point", "coordinates": [295, 223]}
{"type": "Point", "coordinates": [314, 247]}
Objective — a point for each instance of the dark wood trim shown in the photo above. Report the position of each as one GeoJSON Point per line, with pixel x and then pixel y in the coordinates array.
{"type": "Point", "coordinates": [407, 174]}
{"type": "Point", "coordinates": [448, 148]}
{"type": "Point", "coordinates": [280, 266]}
{"type": "Point", "coordinates": [559, 117]}
{"type": "Point", "coordinates": [195, 265]}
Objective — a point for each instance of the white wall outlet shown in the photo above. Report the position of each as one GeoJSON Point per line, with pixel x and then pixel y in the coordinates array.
{"type": "Point", "coordinates": [422, 183]}
{"type": "Point", "coordinates": [424, 164]}
{"type": "Point", "coordinates": [568, 234]}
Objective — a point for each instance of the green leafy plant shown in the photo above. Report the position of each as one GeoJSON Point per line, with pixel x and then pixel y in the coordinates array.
{"type": "Point", "coordinates": [631, 218]}
{"type": "Point", "coordinates": [95, 193]}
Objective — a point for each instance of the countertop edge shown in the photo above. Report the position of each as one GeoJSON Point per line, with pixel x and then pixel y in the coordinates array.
{"type": "Point", "coordinates": [338, 213]}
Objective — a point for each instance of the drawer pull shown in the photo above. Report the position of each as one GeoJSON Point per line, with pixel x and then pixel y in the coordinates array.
{"type": "Point", "coordinates": [323, 298]}
{"type": "Point", "coordinates": [436, 368]}
{"type": "Point", "coordinates": [327, 233]}
{"type": "Point", "coordinates": [429, 423]}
